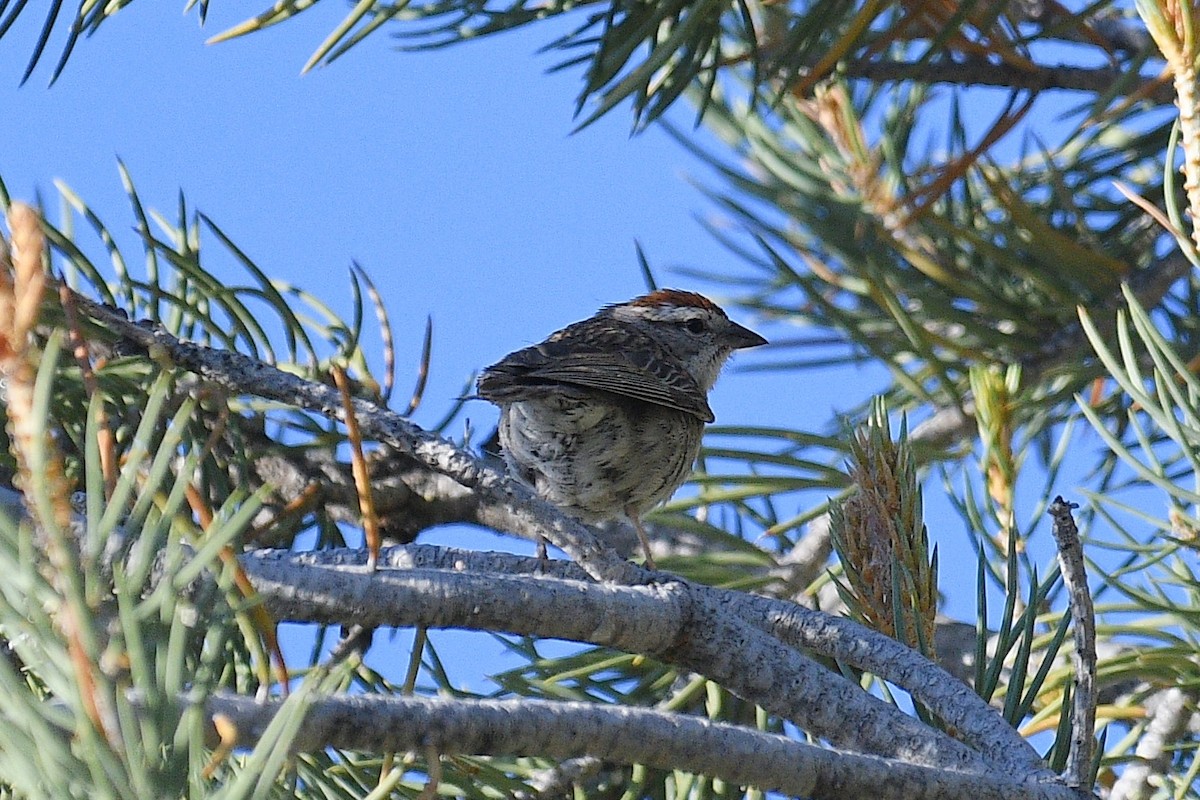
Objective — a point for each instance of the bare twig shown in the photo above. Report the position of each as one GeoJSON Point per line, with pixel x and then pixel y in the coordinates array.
{"type": "Point", "coordinates": [1083, 722]}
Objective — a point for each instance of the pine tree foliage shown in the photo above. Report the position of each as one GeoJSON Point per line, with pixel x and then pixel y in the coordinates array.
{"type": "Point", "coordinates": [1029, 288]}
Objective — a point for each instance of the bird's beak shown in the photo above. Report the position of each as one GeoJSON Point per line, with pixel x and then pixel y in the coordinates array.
{"type": "Point", "coordinates": [740, 337]}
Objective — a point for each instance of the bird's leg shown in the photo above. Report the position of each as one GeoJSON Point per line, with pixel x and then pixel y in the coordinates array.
{"type": "Point", "coordinates": [641, 533]}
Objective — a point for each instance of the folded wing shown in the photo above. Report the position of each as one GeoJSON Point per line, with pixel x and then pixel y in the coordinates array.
{"type": "Point", "coordinates": [622, 367]}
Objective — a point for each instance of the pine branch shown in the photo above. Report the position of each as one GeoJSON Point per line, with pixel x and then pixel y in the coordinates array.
{"type": "Point", "coordinates": [620, 734]}
{"type": "Point", "coordinates": [422, 585]}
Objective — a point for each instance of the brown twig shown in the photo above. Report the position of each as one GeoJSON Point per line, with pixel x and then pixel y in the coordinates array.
{"type": "Point", "coordinates": [362, 474]}
{"type": "Point", "coordinates": [982, 72]}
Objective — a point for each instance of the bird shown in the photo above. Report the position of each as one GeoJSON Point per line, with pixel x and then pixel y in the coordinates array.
{"type": "Point", "coordinates": [604, 418]}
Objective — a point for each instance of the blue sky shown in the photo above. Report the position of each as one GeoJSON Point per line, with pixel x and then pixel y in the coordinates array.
{"type": "Point", "coordinates": [452, 176]}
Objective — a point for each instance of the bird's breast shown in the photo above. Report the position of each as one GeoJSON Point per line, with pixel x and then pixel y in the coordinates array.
{"type": "Point", "coordinates": [595, 458]}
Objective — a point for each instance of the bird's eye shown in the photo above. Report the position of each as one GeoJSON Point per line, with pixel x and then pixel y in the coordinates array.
{"type": "Point", "coordinates": [694, 325]}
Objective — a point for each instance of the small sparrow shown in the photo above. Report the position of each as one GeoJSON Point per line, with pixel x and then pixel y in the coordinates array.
{"type": "Point", "coordinates": [605, 417]}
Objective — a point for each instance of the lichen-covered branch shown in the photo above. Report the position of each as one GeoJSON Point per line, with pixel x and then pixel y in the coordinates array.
{"type": "Point", "coordinates": [624, 735]}
{"type": "Point", "coordinates": [736, 639]}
